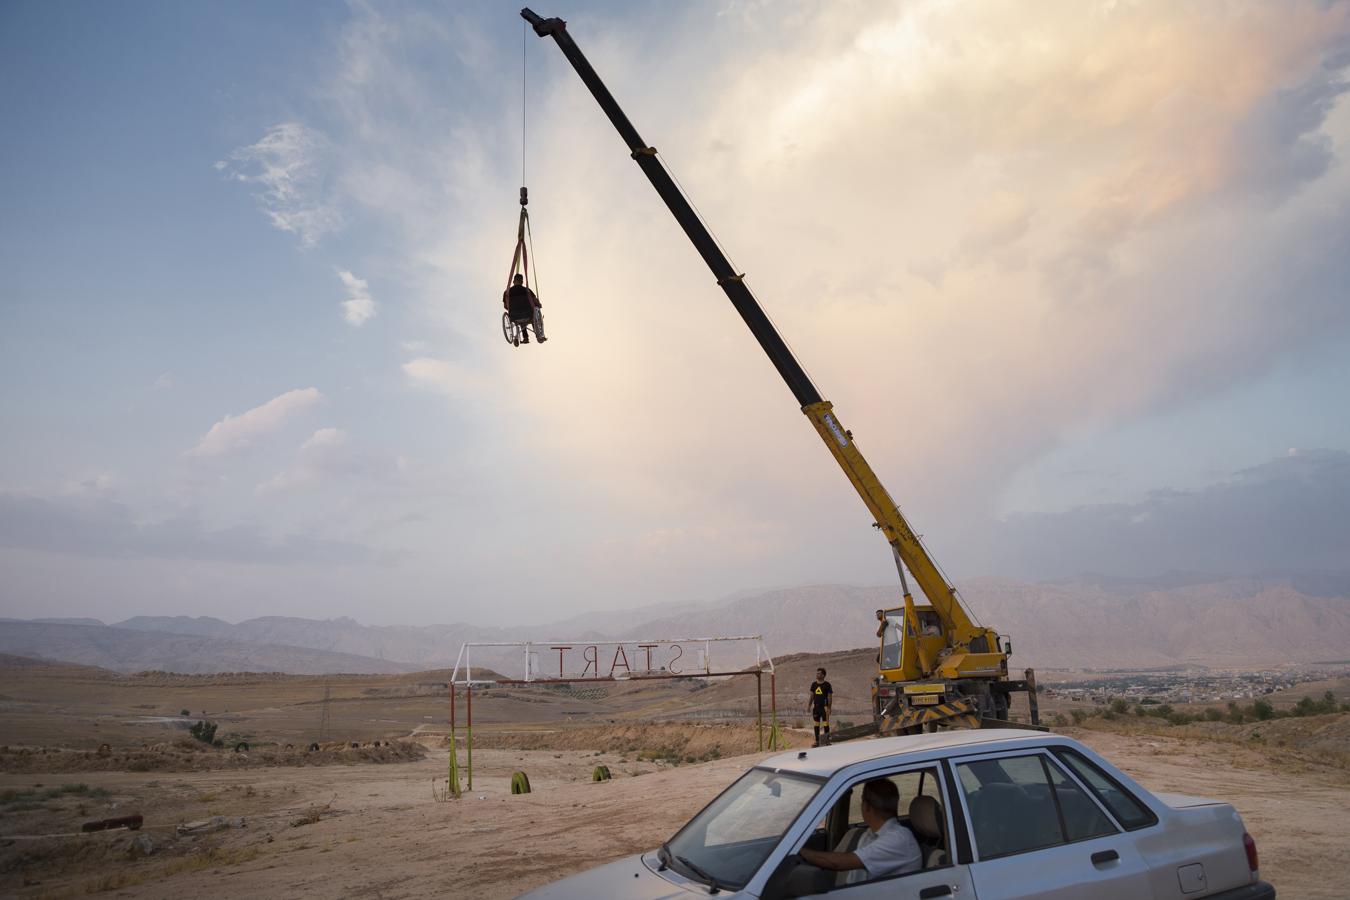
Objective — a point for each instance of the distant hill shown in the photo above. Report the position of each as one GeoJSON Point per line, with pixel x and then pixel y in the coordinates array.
{"type": "Point", "coordinates": [1247, 621]}
{"type": "Point", "coordinates": [1090, 623]}
{"type": "Point", "coordinates": [126, 650]}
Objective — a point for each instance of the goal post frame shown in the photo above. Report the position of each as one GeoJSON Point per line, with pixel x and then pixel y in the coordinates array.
{"type": "Point", "coordinates": [463, 663]}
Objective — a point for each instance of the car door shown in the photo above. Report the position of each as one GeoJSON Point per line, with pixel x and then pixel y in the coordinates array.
{"type": "Point", "coordinates": [944, 880]}
{"type": "Point", "coordinates": [1038, 833]}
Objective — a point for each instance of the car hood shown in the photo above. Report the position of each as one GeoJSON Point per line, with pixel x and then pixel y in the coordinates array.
{"type": "Point", "coordinates": [627, 879]}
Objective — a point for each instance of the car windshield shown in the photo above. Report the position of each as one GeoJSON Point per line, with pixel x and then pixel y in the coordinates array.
{"type": "Point", "coordinates": [733, 836]}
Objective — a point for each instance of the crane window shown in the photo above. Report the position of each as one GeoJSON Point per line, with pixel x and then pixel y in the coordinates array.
{"type": "Point", "coordinates": [890, 641]}
{"type": "Point", "coordinates": [929, 623]}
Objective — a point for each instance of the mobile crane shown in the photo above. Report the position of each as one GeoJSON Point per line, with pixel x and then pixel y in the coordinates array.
{"type": "Point", "coordinates": [936, 666]}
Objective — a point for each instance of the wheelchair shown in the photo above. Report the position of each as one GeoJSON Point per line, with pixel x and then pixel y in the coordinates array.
{"type": "Point", "coordinates": [513, 331]}
{"type": "Point", "coordinates": [516, 331]}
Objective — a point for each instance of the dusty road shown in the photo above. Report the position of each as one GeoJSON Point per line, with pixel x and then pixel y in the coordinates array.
{"type": "Point", "coordinates": [382, 835]}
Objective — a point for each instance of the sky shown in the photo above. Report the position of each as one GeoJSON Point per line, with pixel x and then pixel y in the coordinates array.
{"type": "Point", "coordinates": [1074, 274]}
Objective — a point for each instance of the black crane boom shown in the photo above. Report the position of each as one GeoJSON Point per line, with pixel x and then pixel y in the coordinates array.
{"type": "Point", "coordinates": [727, 278]}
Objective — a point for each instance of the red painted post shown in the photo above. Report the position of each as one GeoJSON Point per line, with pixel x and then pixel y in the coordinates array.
{"type": "Point", "coordinates": [773, 706]}
{"type": "Point", "coordinates": [759, 708]}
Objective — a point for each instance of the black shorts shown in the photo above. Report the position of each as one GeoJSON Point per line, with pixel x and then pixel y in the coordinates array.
{"type": "Point", "coordinates": [820, 714]}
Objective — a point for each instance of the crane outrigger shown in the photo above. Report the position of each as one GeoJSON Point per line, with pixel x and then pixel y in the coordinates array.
{"type": "Point", "coordinates": [936, 665]}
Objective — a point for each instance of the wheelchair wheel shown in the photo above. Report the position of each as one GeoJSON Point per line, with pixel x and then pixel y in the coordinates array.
{"type": "Point", "coordinates": [510, 330]}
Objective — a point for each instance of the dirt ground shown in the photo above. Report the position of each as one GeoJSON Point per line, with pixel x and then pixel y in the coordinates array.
{"type": "Point", "coordinates": [365, 822]}
{"type": "Point", "coordinates": [376, 830]}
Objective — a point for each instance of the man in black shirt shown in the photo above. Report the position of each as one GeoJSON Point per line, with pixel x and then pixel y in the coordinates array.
{"type": "Point", "coordinates": [524, 308]}
{"type": "Point", "coordinates": [819, 701]}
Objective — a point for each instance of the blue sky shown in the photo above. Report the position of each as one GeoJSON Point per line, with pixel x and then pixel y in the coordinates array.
{"type": "Point", "coordinates": [1050, 265]}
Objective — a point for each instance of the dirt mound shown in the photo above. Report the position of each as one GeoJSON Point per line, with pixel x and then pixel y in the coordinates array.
{"type": "Point", "coordinates": [1324, 738]}
{"type": "Point", "coordinates": [192, 756]}
{"type": "Point", "coordinates": [687, 743]}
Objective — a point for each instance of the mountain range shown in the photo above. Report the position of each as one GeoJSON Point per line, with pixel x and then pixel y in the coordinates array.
{"type": "Point", "coordinates": [1088, 623]}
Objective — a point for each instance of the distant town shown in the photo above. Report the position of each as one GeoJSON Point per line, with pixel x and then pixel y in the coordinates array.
{"type": "Point", "coordinates": [1189, 685]}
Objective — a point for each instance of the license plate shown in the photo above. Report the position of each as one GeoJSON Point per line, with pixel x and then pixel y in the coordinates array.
{"type": "Point", "coordinates": [926, 699]}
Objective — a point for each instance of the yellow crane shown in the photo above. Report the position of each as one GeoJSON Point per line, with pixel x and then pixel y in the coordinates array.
{"type": "Point", "coordinates": [936, 666]}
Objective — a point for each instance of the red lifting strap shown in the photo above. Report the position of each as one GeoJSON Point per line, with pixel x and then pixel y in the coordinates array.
{"type": "Point", "coordinates": [521, 261]}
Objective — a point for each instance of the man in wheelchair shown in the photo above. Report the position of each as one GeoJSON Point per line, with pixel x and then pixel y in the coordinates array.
{"type": "Point", "coordinates": [885, 848]}
{"type": "Point", "coordinates": [524, 309]}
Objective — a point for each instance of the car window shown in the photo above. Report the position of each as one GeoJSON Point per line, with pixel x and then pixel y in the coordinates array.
{"type": "Point", "coordinates": [1083, 818]}
{"type": "Point", "coordinates": [733, 835]}
{"type": "Point", "coordinates": [1022, 803]}
{"type": "Point", "coordinates": [1011, 807]}
{"type": "Point", "coordinates": [1128, 811]}
{"type": "Point", "coordinates": [910, 785]}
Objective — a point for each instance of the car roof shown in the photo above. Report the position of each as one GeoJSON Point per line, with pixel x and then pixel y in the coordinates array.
{"type": "Point", "coordinates": [825, 761]}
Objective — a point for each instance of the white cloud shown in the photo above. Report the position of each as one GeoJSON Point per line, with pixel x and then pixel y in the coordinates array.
{"type": "Point", "coordinates": [164, 382]}
{"type": "Point", "coordinates": [358, 308]}
{"type": "Point", "coordinates": [322, 451]}
{"type": "Point", "coordinates": [286, 164]}
{"type": "Point", "coordinates": [442, 376]}
{"type": "Point", "coordinates": [234, 434]}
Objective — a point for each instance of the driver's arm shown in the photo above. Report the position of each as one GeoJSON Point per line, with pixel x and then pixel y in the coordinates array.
{"type": "Point", "coordinates": [830, 859]}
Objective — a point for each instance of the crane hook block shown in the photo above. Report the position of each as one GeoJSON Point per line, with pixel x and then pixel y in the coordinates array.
{"type": "Point", "coordinates": [524, 196]}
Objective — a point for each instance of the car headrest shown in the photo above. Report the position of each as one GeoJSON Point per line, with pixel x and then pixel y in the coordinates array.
{"type": "Point", "coordinates": [925, 818]}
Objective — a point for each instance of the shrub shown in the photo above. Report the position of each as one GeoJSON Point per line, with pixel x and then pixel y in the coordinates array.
{"type": "Point", "coordinates": [1310, 707]}
{"type": "Point", "coordinates": [1119, 706]}
{"type": "Point", "coordinates": [204, 731]}
{"type": "Point", "coordinates": [1262, 710]}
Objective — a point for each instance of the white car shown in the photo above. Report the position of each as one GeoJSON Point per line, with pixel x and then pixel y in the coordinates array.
{"type": "Point", "coordinates": [998, 814]}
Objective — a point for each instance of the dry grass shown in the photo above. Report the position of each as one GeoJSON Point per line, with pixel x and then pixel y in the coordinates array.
{"type": "Point", "coordinates": [668, 742]}
{"type": "Point", "coordinates": [209, 858]}
{"type": "Point", "coordinates": [313, 814]}
{"type": "Point", "coordinates": [1312, 743]}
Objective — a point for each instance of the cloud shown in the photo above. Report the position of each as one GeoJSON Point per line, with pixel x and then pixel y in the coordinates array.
{"type": "Point", "coordinates": [164, 382]}
{"type": "Point", "coordinates": [358, 308]}
{"type": "Point", "coordinates": [1284, 515]}
{"type": "Point", "coordinates": [327, 456]}
{"type": "Point", "coordinates": [287, 164]}
{"type": "Point", "coordinates": [1116, 208]}
{"type": "Point", "coordinates": [442, 376]}
{"type": "Point", "coordinates": [106, 528]}
{"type": "Point", "coordinates": [234, 434]}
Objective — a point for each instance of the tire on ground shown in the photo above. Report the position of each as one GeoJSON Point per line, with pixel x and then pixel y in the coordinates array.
{"type": "Point", "coordinates": [520, 783]}
{"type": "Point", "coordinates": [601, 773]}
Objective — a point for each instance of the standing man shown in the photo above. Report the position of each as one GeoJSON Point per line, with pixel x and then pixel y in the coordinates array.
{"type": "Point", "coordinates": [818, 702]}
